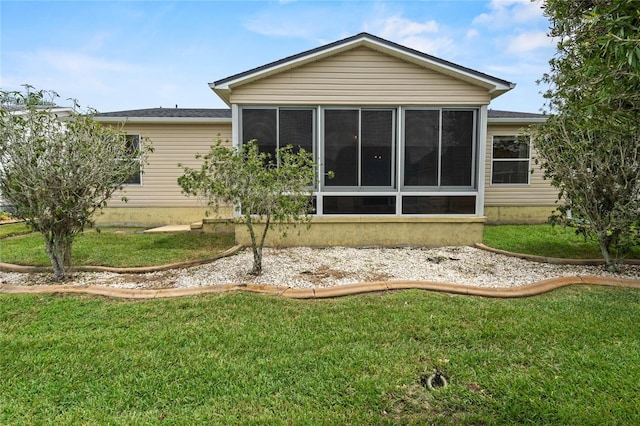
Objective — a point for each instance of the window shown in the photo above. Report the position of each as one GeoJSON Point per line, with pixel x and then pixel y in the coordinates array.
{"type": "Point", "coordinates": [510, 162]}
{"type": "Point", "coordinates": [358, 147]}
{"type": "Point", "coordinates": [359, 205]}
{"type": "Point", "coordinates": [421, 147]}
{"type": "Point", "coordinates": [439, 148]}
{"type": "Point", "coordinates": [456, 146]}
{"type": "Point", "coordinates": [133, 148]}
{"type": "Point", "coordinates": [275, 128]}
{"type": "Point", "coordinates": [439, 204]}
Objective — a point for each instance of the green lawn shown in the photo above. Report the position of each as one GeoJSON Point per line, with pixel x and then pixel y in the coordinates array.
{"type": "Point", "coordinates": [11, 229]}
{"type": "Point", "coordinates": [569, 357]}
{"type": "Point", "coordinates": [544, 240]}
{"type": "Point", "coordinates": [118, 247]}
{"type": "Point", "coordinates": [128, 247]}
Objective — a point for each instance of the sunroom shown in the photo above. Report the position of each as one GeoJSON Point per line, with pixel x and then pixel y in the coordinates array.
{"type": "Point", "coordinates": [389, 160]}
{"type": "Point", "coordinates": [402, 133]}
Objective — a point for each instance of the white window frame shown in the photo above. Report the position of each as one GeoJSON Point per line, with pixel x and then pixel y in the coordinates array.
{"type": "Point", "coordinates": [139, 160]}
{"type": "Point", "coordinates": [494, 160]}
{"type": "Point", "coordinates": [397, 189]}
{"type": "Point", "coordinates": [359, 188]}
{"type": "Point", "coordinates": [473, 187]}
{"type": "Point", "coordinates": [314, 123]}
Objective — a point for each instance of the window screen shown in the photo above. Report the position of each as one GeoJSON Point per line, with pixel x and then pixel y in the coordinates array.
{"type": "Point", "coordinates": [260, 124]}
{"type": "Point", "coordinates": [377, 146]}
{"type": "Point", "coordinates": [296, 128]}
{"type": "Point", "coordinates": [421, 139]}
{"type": "Point", "coordinates": [341, 140]}
{"type": "Point", "coordinates": [457, 148]}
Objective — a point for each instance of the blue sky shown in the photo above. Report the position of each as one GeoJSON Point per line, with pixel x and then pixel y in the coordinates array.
{"type": "Point", "coordinates": [117, 55]}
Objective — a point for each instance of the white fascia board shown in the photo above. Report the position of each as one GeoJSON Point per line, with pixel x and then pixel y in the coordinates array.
{"type": "Point", "coordinates": [224, 94]}
{"type": "Point", "coordinates": [516, 120]}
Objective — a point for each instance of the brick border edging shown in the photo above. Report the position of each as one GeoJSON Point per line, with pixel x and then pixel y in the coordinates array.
{"type": "Point", "coordinates": [529, 290]}
{"type": "Point", "coordinates": [551, 260]}
{"type": "Point", "coordinates": [8, 267]}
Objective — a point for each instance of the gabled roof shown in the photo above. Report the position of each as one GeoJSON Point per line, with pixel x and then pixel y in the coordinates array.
{"type": "Point", "coordinates": [168, 115]}
{"type": "Point", "coordinates": [494, 85]}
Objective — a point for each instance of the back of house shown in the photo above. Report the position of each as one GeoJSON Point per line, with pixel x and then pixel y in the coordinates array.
{"type": "Point", "coordinates": [418, 156]}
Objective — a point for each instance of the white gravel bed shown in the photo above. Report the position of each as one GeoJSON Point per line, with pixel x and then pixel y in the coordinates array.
{"type": "Point", "coordinates": [304, 267]}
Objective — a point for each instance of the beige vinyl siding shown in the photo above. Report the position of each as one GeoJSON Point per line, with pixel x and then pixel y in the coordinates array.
{"type": "Point", "coordinates": [538, 192]}
{"type": "Point", "coordinates": [360, 76]}
{"type": "Point", "coordinates": [173, 144]}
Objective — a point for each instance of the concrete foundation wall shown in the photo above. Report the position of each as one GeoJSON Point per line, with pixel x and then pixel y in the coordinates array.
{"type": "Point", "coordinates": [153, 216]}
{"type": "Point", "coordinates": [518, 214]}
{"type": "Point", "coordinates": [374, 231]}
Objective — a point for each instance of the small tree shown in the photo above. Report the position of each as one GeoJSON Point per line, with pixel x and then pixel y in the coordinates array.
{"type": "Point", "coordinates": [597, 172]}
{"type": "Point", "coordinates": [262, 188]}
{"type": "Point", "coordinates": [590, 146]}
{"type": "Point", "coordinates": [57, 174]}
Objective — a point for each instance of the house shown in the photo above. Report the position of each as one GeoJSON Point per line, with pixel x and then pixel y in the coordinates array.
{"type": "Point", "coordinates": [419, 157]}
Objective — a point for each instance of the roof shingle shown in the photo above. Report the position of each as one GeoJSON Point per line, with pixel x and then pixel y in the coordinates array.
{"type": "Point", "coordinates": [169, 113]}
{"type": "Point", "coordinates": [226, 113]}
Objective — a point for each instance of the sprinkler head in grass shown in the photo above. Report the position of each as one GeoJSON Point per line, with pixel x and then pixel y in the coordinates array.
{"type": "Point", "coordinates": [437, 380]}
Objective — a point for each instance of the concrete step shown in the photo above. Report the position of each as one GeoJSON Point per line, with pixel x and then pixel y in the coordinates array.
{"type": "Point", "coordinates": [173, 229]}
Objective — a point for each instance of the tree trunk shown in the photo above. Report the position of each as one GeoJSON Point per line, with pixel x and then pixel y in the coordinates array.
{"type": "Point", "coordinates": [66, 251]}
{"type": "Point", "coordinates": [257, 261]}
{"type": "Point", "coordinates": [55, 249]}
{"type": "Point", "coordinates": [605, 248]}
{"type": "Point", "coordinates": [257, 249]}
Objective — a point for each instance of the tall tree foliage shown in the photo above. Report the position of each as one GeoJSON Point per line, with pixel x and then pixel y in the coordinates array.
{"type": "Point", "coordinates": [57, 173]}
{"type": "Point", "coordinates": [271, 191]}
{"type": "Point", "coordinates": [590, 146]}
{"type": "Point", "coordinates": [16, 100]}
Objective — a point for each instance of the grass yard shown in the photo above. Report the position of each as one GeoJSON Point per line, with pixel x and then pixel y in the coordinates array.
{"type": "Point", "coordinates": [569, 357]}
{"type": "Point", "coordinates": [11, 229]}
{"type": "Point", "coordinates": [544, 240]}
{"type": "Point", "coordinates": [118, 247]}
{"type": "Point", "coordinates": [129, 247]}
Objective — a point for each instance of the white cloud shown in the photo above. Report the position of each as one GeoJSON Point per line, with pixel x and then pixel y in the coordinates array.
{"type": "Point", "coordinates": [73, 62]}
{"type": "Point", "coordinates": [423, 36]}
{"type": "Point", "coordinates": [522, 71]}
{"type": "Point", "coordinates": [397, 26]}
{"type": "Point", "coordinates": [529, 41]}
{"type": "Point", "coordinates": [471, 34]}
{"type": "Point", "coordinates": [310, 24]}
{"type": "Point", "coordinates": [506, 13]}
{"type": "Point", "coordinates": [74, 74]}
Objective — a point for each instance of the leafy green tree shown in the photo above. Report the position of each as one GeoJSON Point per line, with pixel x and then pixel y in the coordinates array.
{"type": "Point", "coordinates": [590, 145]}
{"type": "Point", "coordinates": [16, 100]}
{"type": "Point", "coordinates": [57, 173]}
{"type": "Point", "coordinates": [274, 191]}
